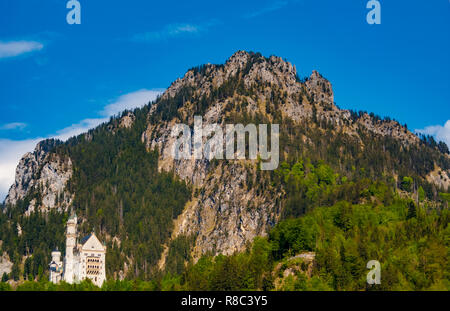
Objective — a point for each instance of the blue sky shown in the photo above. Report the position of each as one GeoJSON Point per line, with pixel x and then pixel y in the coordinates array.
{"type": "Point", "coordinates": [59, 79]}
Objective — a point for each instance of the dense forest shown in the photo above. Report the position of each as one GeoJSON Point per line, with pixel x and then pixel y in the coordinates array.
{"type": "Point", "coordinates": [410, 241]}
{"type": "Point", "coordinates": [118, 190]}
{"type": "Point", "coordinates": [410, 238]}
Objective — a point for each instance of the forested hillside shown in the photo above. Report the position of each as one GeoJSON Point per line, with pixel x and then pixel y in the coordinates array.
{"type": "Point", "coordinates": [119, 193]}
{"type": "Point", "coordinates": [350, 187]}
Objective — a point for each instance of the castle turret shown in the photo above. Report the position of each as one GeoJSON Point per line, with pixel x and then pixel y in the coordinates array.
{"type": "Point", "coordinates": [56, 255]}
{"type": "Point", "coordinates": [71, 240]}
{"type": "Point", "coordinates": [56, 268]}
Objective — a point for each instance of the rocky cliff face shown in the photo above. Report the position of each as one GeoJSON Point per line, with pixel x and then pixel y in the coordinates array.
{"type": "Point", "coordinates": [224, 213]}
{"type": "Point", "coordinates": [227, 213]}
{"type": "Point", "coordinates": [44, 173]}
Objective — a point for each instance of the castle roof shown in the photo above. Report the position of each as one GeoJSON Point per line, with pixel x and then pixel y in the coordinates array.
{"type": "Point", "coordinates": [84, 240]}
{"type": "Point", "coordinates": [91, 242]}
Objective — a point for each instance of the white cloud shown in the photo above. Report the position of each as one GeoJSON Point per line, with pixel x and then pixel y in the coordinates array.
{"type": "Point", "coordinates": [11, 151]}
{"type": "Point", "coordinates": [78, 128]}
{"type": "Point", "coordinates": [270, 8]}
{"type": "Point", "coordinates": [15, 48]}
{"type": "Point", "coordinates": [125, 102]}
{"type": "Point", "coordinates": [14, 126]}
{"type": "Point", "coordinates": [173, 30]}
{"type": "Point", "coordinates": [440, 133]}
{"type": "Point", "coordinates": [130, 101]}
{"type": "Point", "coordinates": [168, 31]}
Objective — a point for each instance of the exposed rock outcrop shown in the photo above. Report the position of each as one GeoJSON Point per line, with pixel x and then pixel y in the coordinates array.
{"type": "Point", "coordinates": [44, 173]}
{"type": "Point", "coordinates": [226, 213]}
{"type": "Point", "coordinates": [5, 264]}
{"type": "Point", "coordinates": [127, 120]}
{"type": "Point", "coordinates": [440, 178]}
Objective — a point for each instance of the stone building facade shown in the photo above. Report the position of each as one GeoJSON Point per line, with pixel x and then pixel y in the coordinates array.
{"type": "Point", "coordinates": [83, 259]}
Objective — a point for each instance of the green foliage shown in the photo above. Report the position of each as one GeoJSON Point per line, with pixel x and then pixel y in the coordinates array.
{"type": "Point", "coordinates": [4, 277]}
{"type": "Point", "coordinates": [249, 270]}
{"type": "Point", "coordinates": [347, 237]}
{"type": "Point", "coordinates": [308, 185]}
{"type": "Point", "coordinates": [41, 233]}
{"type": "Point", "coordinates": [407, 183]}
{"type": "Point", "coordinates": [179, 254]}
{"type": "Point", "coordinates": [85, 285]}
{"type": "Point", "coordinates": [5, 287]}
{"type": "Point", "coordinates": [412, 210]}
{"type": "Point", "coordinates": [171, 282]}
{"type": "Point", "coordinates": [293, 236]}
{"type": "Point", "coordinates": [370, 156]}
{"type": "Point", "coordinates": [410, 242]}
{"type": "Point", "coordinates": [445, 197]}
{"type": "Point", "coordinates": [421, 194]}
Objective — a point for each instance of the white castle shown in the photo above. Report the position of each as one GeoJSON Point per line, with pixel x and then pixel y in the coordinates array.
{"type": "Point", "coordinates": [83, 260]}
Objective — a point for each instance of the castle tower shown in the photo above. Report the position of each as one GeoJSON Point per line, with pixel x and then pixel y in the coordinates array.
{"type": "Point", "coordinates": [71, 240]}
{"type": "Point", "coordinates": [56, 267]}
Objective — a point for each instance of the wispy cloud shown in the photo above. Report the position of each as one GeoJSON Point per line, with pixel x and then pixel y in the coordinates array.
{"type": "Point", "coordinates": [11, 151]}
{"type": "Point", "coordinates": [441, 133]}
{"type": "Point", "coordinates": [269, 8]}
{"type": "Point", "coordinates": [16, 48]}
{"type": "Point", "coordinates": [130, 101]}
{"type": "Point", "coordinates": [173, 31]}
{"type": "Point", "coordinates": [125, 102]}
{"type": "Point", "coordinates": [14, 126]}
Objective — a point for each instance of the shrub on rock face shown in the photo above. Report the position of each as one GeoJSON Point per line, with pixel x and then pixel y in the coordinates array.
{"type": "Point", "coordinates": [407, 183]}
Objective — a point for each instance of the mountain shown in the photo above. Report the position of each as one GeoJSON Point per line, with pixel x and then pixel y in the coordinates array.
{"type": "Point", "coordinates": [157, 213]}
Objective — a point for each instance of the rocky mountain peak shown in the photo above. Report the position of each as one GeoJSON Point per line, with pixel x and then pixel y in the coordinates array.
{"type": "Point", "coordinates": [252, 68]}
{"type": "Point", "coordinates": [239, 59]}
{"type": "Point", "coordinates": [320, 87]}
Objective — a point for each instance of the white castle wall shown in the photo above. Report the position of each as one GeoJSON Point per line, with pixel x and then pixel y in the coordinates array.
{"type": "Point", "coordinates": [82, 260]}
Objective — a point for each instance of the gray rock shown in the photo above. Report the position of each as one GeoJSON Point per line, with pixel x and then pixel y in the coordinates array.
{"type": "Point", "coordinates": [42, 171]}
